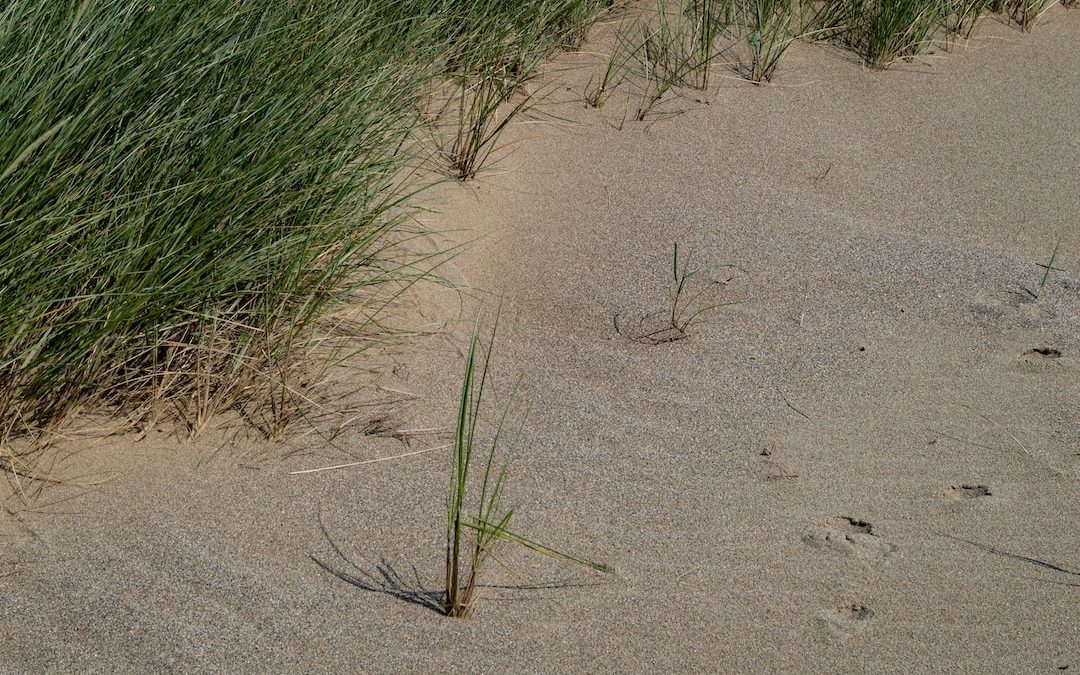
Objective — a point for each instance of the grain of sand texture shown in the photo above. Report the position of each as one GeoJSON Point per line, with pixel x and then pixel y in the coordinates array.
{"type": "Point", "coordinates": [869, 462]}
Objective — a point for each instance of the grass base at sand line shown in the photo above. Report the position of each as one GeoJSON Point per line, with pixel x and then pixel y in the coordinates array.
{"type": "Point", "coordinates": [670, 46]}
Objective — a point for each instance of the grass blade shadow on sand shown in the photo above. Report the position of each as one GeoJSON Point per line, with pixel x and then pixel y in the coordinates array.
{"type": "Point", "coordinates": [384, 577]}
{"type": "Point", "coordinates": [993, 550]}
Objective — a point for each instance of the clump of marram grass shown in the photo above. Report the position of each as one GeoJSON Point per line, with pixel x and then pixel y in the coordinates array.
{"type": "Point", "coordinates": [184, 192]}
{"type": "Point", "coordinates": [768, 27]}
{"type": "Point", "coordinates": [484, 111]}
{"type": "Point", "coordinates": [1026, 12]}
{"type": "Point", "coordinates": [491, 66]}
{"type": "Point", "coordinates": [471, 537]}
{"type": "Point", "coordinates": [961, 16]}
{"type": "Point", "coordinates": [188, 186]}
{"type": "Point", "coordinates": [883, 31]}
{"type": "Point", "coordinates": [677, 48]}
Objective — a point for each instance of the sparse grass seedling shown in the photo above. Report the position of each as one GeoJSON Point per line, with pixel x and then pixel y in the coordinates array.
{"type": "Point", "coordinates": [687, 300]}
{"type": "Point", "coordinates": [597, 93]}
{"type": "Point", "coordinates": [687, 305]}
{"type": "Point", "coordinates": [471, 537]}
{"type": "Point", "coordinates": [1049, 266]}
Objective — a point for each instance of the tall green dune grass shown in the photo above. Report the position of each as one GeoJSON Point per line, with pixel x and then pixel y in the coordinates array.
{"type": "Point", "coordinates": [187, 186]}
{"type": "Point", "coordinates": [884, 31]}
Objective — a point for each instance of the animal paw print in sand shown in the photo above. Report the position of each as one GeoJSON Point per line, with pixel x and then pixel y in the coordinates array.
{"type": "Point", "coordinates": [852, 537]}
{"type": "Point", "coordinates": [970, 491]}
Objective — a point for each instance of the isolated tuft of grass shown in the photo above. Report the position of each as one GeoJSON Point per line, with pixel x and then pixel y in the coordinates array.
{"type": "Point", "coordinates": [475, 526]}
{"type": "Point", "coordinates": [687, 305]}
{"type": "Point", "coordinates": [599, 90]}
{"type": "Point", "coordinates": [1049, 267]}
{"type": "Point", "coordinates": [688, 293]}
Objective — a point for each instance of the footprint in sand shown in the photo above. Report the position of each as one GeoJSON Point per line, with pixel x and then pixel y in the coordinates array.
{"type": "Point", "coordinates": [1039, 359]}
{"type": "Point", "coordinates": [852, 537]}
{"type": "Point", "coordinates": [846, 620]}
{"type": "Point", "coordinates": [970, 491]}
{"type": "Point", "coordinates": [1007, 308]}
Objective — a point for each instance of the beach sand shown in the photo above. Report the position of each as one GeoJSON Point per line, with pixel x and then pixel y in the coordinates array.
{"type": "Point", "coordinates": [866, 460]}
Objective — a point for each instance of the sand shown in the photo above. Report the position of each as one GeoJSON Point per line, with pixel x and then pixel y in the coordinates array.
{"type": "Point", "coordinates": [859, 465]}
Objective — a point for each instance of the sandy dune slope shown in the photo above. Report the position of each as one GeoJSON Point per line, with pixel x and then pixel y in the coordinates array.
{"type": "Point", "coordinates": [868, 461]}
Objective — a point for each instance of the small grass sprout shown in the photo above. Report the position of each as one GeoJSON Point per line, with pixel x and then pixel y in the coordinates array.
{"type": "Point", "coordinates": [597, 92]}
{"type": "Point", "coordinates": [686, 306]}
{"type": "Point", "coordinates": [1049, 266]}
